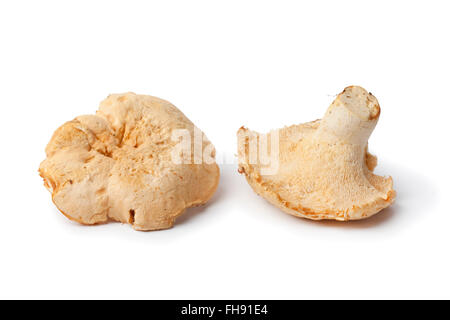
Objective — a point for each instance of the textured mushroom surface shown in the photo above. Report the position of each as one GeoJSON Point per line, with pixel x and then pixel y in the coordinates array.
{"type": "Point", "coordinates": [324, 169]}
{"type": "Point", "coordinates": [117, 165]}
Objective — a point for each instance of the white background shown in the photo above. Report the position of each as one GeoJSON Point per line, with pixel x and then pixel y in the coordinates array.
{"type": "Point", "coordinates": [225, 64]}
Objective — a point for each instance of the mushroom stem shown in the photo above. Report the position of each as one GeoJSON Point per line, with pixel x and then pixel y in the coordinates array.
{"type": "Point", "coordinates": [351, 118]}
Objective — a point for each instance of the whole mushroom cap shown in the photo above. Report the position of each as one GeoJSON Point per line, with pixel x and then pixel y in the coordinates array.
{"type": "Point", "coordinates": [323, 168]}
{"type": "Point", "coordinates": [118, 164]}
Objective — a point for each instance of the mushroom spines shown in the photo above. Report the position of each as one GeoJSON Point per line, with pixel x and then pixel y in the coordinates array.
{"type": "Point", "coordinates": [325, 170]}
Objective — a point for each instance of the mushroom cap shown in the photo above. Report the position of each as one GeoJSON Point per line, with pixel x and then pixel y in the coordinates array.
{"type": "Point", "coordinates": [117, 165]}
{"type": "Point", "coordinates": [324, 169]}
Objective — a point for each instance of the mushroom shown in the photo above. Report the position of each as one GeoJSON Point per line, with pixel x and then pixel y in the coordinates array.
{"type": "Point", "coordinates": [119, 164]}
{"type": "Point", "coordinates": [321, 169]}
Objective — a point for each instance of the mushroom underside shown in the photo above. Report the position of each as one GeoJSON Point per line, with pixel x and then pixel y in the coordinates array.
{"type": "Point", "coordinates": [323, 168]}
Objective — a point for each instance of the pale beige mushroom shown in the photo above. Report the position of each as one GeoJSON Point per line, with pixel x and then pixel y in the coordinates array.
{"type": "Point", "coordinates": [323, 168]}
{"type": "Point", "coordinates": [118, 165]}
